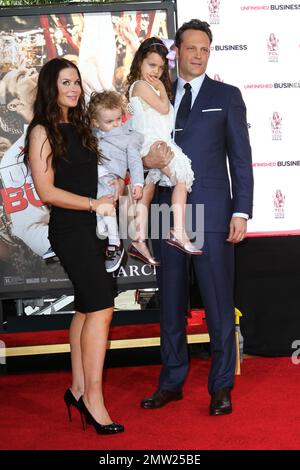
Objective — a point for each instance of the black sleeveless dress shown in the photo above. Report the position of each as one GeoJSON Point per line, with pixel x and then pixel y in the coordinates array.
{"type": "Point", "coordinates": [72, 233]}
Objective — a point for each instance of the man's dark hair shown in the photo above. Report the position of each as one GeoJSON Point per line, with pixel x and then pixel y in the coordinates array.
{"type": "Point", "coordinates": [195, 24]}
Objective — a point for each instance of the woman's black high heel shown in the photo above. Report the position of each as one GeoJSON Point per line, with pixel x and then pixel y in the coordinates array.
{"type": "Point", "coordinates": [112, 428]}
{"type": "Point", "coordinates": [70, 400]}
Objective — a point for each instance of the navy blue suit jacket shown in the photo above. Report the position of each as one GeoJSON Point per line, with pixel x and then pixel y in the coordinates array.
{"type": "Point", "coordinates": [216, 129]}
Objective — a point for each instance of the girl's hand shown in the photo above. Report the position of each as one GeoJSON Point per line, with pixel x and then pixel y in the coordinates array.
{"type": "Point", "coordinates": [105, 205]}
{"type": "Point", "coordinates": [156, 82]}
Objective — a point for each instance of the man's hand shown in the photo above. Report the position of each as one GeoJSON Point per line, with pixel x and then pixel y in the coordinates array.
{"type": "Point", "coordinates": [159, 156]}
{"type": "Point", "coordinates": [237, 229]}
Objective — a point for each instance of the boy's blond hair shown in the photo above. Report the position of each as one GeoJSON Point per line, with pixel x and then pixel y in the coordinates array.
{"type": "Point", "coordinates": [107, 99]}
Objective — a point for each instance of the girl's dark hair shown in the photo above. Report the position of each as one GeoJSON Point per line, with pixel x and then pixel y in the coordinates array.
{"type": "Point", "coordinates": [195, 24]}
{"type": "Point", "coordinates": [48, 113]}
{"type": "Point", "coordinates": [149, 45]}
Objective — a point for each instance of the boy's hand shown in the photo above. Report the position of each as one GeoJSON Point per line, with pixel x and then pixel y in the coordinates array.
{"type": "Point", "coordinates": [119, 186]}
{"type": "Point", "coordinates": [137, 192]}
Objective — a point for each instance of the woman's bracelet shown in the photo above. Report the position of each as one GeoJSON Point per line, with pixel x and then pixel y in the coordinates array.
{"type": "Point", "coordinates": [91, 204]}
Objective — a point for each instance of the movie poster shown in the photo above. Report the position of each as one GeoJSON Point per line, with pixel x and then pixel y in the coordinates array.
{"type": "Point", "coordinates": [102, 45]}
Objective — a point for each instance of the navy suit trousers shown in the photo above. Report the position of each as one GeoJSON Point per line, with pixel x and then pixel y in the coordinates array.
{"type": "Point", "coordinates": [215, 276]}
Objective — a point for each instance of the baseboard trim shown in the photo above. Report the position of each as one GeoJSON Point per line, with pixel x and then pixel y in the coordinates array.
{"type": "Point", "coordinates": [113, 344]}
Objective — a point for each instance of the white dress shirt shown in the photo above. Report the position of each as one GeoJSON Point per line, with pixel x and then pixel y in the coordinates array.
{"type": "Point", "coordinates": [196, 84]}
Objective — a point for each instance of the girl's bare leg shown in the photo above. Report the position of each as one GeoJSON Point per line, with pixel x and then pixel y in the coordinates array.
{"type": "Point", "coordinates": [179, 196]}
{"type": "Point", "coordinates": [141, 220]}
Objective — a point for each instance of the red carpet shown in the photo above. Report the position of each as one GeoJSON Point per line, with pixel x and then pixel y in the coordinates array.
{"type": "Point", "coordinates": [196, 325]}
{"type": "Point", "coordinates": [266, 412]}
{"type": "Point", "coordinates": [36, 338]}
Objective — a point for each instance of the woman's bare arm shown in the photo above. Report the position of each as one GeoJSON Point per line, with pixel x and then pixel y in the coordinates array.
{"type": "Point", "coordinates": [43, 178]}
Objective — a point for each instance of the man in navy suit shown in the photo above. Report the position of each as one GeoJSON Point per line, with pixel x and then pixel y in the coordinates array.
{"type": "Point", "coordinates": [214, 134]}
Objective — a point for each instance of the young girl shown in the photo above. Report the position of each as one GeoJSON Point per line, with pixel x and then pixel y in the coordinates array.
{"type": "Point", "coordinates": [149, 91]}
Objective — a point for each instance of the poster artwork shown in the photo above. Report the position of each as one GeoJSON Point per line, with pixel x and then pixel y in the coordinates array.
{"type": "Point", "coordinates": [102, 45]}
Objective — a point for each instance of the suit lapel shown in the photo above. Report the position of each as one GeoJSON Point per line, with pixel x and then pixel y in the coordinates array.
{"type": "Point", "coordinates": [201, 102]}
{"type": "Point", "coordinates": [174, 88]}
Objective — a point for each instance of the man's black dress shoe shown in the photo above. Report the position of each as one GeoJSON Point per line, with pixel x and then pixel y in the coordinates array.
{"type": "Point", "coordinates": [161, 398]}
{"type": "Point", "coordinates": [220, 402]}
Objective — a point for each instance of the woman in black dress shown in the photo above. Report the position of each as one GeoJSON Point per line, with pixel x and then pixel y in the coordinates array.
{"type": "Point", "coordinates": [63, 156]}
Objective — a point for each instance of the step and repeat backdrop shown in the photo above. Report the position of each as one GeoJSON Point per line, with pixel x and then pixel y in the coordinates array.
{"type": "Point", "coordinates": [256, 47]}
{"type": "Point", "coordinates": [102, 44]}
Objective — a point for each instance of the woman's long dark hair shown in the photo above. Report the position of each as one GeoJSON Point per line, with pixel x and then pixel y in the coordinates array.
{"type": "Point", "coordinates": [149, 45]}
{"type": "Point", "coordinates": [47, 113]}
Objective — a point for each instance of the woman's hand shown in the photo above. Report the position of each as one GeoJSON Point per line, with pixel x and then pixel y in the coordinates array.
{"type": "Point", "coordinates": [105, 205]}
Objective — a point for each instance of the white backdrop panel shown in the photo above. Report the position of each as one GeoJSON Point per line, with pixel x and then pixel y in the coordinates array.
{"type": "Point", "coordinates": [256, 47]}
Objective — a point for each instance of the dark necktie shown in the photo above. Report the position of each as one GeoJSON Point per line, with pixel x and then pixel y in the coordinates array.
{"type": "Point", "coordinates": [183, 110]}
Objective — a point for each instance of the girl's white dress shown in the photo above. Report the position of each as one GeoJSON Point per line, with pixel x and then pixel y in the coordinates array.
{"type": "Point", "coordinates": [156, 126]}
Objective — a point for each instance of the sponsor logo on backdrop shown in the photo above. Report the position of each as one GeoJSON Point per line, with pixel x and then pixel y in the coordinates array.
{"type": "Point", "coordinates": [264, 164]}
{"type": "Point", "coordinates": [286, 6]}
{"type": "Point", "coordinates": [258, 85]}
{"type": "Point", "coordinates": [290, 163]}
{"type": "Point", "coordinates": [229, 47]}
{"type": "Point", "coordinates": [255, 7]}
{"type": "Point", "coordinates": [279, 203]}
{"type": "Point", "coordinates": [214, 13]}
{"type": "Point", "coordinates": [273, 85]}
{"type": "Point", "coordinates": [287, 85]}
{"type": "Point", "coordinates": [272, 45]}
{"type": "Point", "coordinates": [218, 78]}
{"type": "Point", "coordinates": [276, 126]}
